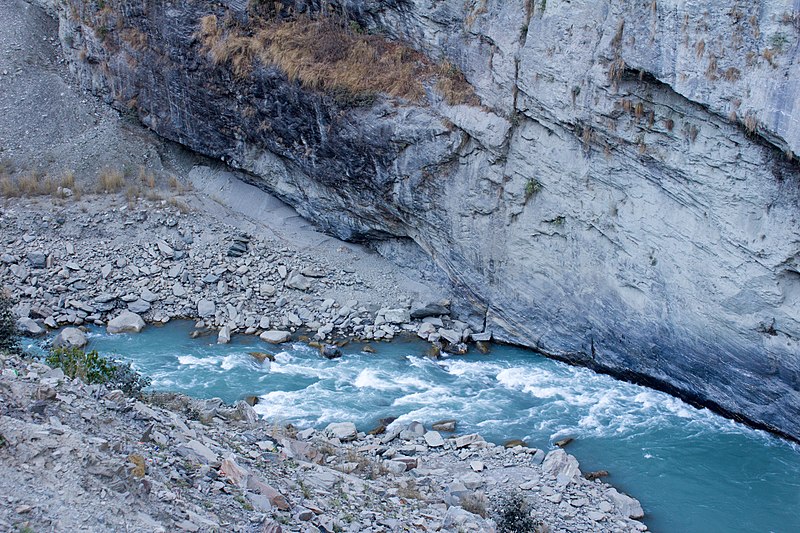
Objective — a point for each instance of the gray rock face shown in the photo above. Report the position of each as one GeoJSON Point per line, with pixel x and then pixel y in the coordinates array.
{"type": "Point", "coordinates": [622, 199]}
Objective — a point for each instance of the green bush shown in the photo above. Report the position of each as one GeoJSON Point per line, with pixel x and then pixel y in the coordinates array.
{"type": "Point", "coordinates": [93, 368]}
{"type": "Point", "coordinates": [9, 334]}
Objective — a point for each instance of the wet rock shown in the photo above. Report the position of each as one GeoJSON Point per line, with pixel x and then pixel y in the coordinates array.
{"type": "Point", "coordinates": [514, 443]}
{"type": "Point", "coordinates": [262, 356]}
{"type": "Point", "coordinates": [224, 335]}
{"type": "Point", "coordinates": [330, 351]}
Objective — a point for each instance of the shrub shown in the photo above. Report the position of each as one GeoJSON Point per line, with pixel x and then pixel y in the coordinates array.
{"type": "Point", "coordinates": [93, 368]}
{"type": "Point", "coordinates": [330, 54]}
{"type": "Point", "coordinates": [514, 515]}
{"type": "Point", "coordinates": [110, 180]}
{"type": "Point", "coordinates": [9, 334]}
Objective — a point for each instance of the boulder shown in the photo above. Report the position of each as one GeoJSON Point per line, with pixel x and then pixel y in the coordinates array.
{"type": "Point", "coordinates": [275, 336]}
{"type": "Point", "coordinates": [344, 431]}
{"type": "Point", "coordinates": [330, 351]}
{"type": "Point", "coordinates": [37, 259]}
{"type": "Point", "coordinates": [562, 466]}
{"type": "Point", "coordinates": [29, 326]}
{"type": "Point", "coordinates": [430, 309]}
{"type": "Point", "coordinates": [396, 316]}
{"type": "Point", "coordinates": [224, 336]}
{"type": "Point", "coordinates": [206, 308]}
{"type": "Point", "coordinates": [467, 440]}
{"type": "Point", "coordinates": [298, 281]}
{"type": "Point", "coordinates": [139, 306]}
{"type": "Point", "coordinates": [434, 439]}
{"type": "Point", "coordinates": [70, 338]}
{"type": "Point", "coordinates": [126, 322]}
{"type": "Point", "coordinates": [444, 425]}
{"type": "Point", "coordinates": [626, 505]}
{"type": "Point", "coordinates": [197, 452]}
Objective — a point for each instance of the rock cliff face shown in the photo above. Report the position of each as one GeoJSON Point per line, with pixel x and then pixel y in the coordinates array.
{"type": "Point", "coordinates": [624, 196]}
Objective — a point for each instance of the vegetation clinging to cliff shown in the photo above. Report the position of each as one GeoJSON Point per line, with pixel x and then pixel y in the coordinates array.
{"type": "Point", "coordinates": [328, 54]}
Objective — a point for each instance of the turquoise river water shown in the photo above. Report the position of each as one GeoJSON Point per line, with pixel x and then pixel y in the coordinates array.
{"type": "Point", "coordinates": [692, 470]}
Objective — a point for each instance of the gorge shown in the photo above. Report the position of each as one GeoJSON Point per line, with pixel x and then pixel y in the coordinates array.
{"type": "Point", "coordinates": [610, 183]}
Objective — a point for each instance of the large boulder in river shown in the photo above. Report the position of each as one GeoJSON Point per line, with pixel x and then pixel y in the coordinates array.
{"type": "Point", "coordinates": [29, 326]}
{"type": "Point", "coordinates": [126, 322]}
{"type": "Point", "coordinates": [70, 338]}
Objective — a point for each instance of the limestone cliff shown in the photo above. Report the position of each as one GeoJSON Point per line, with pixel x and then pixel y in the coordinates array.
{"type": "Point", "coordinates": [619, 191]}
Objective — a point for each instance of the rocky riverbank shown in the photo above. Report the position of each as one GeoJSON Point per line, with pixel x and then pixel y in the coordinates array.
{"type": "Point", "coordinates": [70, 263]}
{"type": "Point", "coordinates": [76, 456]}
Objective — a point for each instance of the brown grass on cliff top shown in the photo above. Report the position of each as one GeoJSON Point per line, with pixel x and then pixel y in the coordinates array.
{"type": "Point", "coordinates": [323, 54]}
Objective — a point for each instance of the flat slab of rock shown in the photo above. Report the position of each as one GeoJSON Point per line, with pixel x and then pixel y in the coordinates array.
{"type": "Point", "coordinates": [197, 451]}
{"type": "Point", "coordinates": [434, 439]}
{"type": "Point", "coordinates": [275, 336]}
{"type": "Point", "coordinates": [126, 322]}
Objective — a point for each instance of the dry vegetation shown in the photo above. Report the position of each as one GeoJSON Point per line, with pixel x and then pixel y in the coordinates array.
{"type": "Point", "coordinates": [326, 54]}
{"type": "Point", "coordinates": [36, 183]}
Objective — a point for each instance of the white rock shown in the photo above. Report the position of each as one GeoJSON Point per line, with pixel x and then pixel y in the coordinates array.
{"type": "Point", "coordinates": [344, 431]}
{"type": "Point", "coordinates": [224, 336]}
{"type": "Point", "coordinates": [275, 336]}
{"type": "Point", "coordinates": [563, 466]}
{"type": "Point", "coordinates": [434, 439]}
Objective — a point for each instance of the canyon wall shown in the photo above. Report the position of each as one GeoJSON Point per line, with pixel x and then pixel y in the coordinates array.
{"type": "Point", "coordinates": [620, 191]}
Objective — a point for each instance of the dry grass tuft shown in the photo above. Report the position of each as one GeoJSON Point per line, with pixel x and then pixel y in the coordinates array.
{"type": "Point", "coordinates": [326, 54]}
{"type": "Point", "coordinates": [110, 180]}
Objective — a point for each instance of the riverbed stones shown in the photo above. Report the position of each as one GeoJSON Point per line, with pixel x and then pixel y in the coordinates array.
{"type": "Point", "coordinates": [70, 338]}
{"type": "Point", "coordinates": [275, 336]}
{"type": "Point", "coordinates": [126, 322]}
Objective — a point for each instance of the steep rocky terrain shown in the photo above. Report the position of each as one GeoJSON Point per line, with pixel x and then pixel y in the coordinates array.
{"type": "Point", "coordinates": [77, 457]}
{"type": "Point", "coordinates": [619, 192]}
